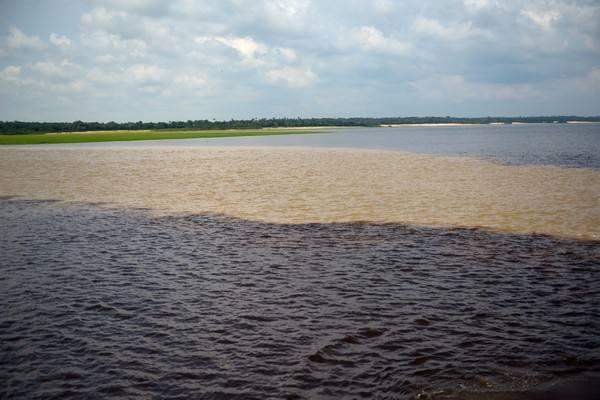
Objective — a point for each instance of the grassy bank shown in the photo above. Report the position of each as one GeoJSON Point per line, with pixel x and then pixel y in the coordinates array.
{"type": "Point", "coordinates": [111, 136]}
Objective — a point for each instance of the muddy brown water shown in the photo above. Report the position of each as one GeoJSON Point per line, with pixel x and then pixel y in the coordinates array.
{"type": "Point", "coordinates": [291, 185]}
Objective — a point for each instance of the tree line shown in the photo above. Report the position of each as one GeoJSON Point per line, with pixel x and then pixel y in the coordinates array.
{"type": "Point", "coordinates": [23, 127]}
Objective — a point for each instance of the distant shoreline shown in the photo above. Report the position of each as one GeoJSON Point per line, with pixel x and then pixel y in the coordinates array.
{"type": "Point", "coordinates": [37, 128]}
{"type": "Point", "coordinates": [66, 137]}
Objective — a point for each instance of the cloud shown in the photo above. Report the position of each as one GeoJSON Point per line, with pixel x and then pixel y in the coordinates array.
{"type": "Point", "coordinates": [240, 58]}
{"type": "Point", "coordinates": [369, 38]}
{"type": "Point", "coordinates": [287, 53]}
{"type": "Point", "coordinates": [60, 41]}
{"type": "Point", "coordinates": [456, 31]}
{"type": "Point", "coordinates": [590, 82]}
{"type": "Point", "coordinates": [105, 59]}
{"type": "Point", "coordinates": [384, 6]}
{"type": "Point", "coordinates": [102, 18]}
{"type": "Point", "coordinates": [293, 77]}
{"type": "Point", "coordinates": [456, 88]}
{"type": "Point", "coordinates": [542, 18]}
{"type": "Point", "coordinates": [13, 76]}
{"type": "Point", "coordinates": [252, 53]}
{"type": "Point", "coordinates": [146, 73]}
{"type": "Point", "coordinates": [18, 40]}
{"type": "Point", "coordinates": [191, 81]}
{"type": "Point", "coordinates": [136, 75]}
{"type": "Point", "coordinates": [104, 41]}
{"type": "Point", "coordinates": [64, 68]}
{"type": "Point", "coordinates": [286, 15]}
{"type": "Point", "coordinates": [10, 73]}
{"type": "Point", "coordinates": [475, 5]}
{"type": "Point", "coordinates": [154, 7]}
{"type": "Point", "coordinates": [70, 87]}
{"type": "Point", "coordinates": [245, 46]}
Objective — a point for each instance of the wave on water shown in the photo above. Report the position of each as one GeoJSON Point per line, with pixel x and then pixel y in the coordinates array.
{"type": "Point", "coordinates": [114, 303]}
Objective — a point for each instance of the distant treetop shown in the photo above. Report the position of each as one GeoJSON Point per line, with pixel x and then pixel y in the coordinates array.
{"type": "Point", "coordinates": [20, 127]}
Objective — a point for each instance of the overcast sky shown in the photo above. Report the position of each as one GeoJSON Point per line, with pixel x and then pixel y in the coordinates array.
{"type": "Point", "coordinates": [156, 60]}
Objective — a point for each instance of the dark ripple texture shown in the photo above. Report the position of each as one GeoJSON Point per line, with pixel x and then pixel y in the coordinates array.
{"type": "Point", "coordinates": [101, 303]}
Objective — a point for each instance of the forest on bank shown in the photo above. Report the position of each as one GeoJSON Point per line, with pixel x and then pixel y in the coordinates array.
{"type": "Point", "coordinates": [23, 127]}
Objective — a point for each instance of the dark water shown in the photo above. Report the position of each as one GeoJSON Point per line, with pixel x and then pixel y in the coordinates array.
{"type": "Point", "coordinates": [98, 303]}
{"type": "Point", "coordinates": [567, 145]}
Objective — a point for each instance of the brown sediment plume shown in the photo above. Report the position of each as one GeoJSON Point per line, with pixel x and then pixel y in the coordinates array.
{"type": "Point", "coordinates": [297, 185]}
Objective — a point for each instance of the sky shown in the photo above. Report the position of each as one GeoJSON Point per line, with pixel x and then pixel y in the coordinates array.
{"type": "Point", "coordinates": [154, 60]}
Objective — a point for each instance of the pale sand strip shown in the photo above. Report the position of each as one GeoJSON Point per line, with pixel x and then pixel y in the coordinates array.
{"type": "Point", "coordinates": [288, 185]}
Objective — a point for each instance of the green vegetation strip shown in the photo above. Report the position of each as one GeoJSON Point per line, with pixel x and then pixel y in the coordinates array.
{"type": "Point", "coordinates": [113, 136]}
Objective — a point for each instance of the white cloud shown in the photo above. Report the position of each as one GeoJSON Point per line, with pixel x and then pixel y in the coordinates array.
{"type": "Point", "coordinates": [137, 6]}
{"type": "Point", "coordinates": [105, 76]}
{"type": "Point", "coordinates": [139, 74]}
{"type": "Point", "coordinates": [475, 5]}
{"type": "Point", "coordinates": [10, 73]}
{"type": "Point", "coordinates": [293, 77]}
{"type": "Point", "coordinates": [457, 31]}
{"type": "Point", "coordinates": [429, 26]}
{"type": "Point", "coordinates": [102, 18]}
{"type": "Point", "coordinates": [590, 82]}
{"type": "Point", "coordinates": [559, 27]}
{"type": "Point", "coordinates": [105, 59]}
{"type": "Point", "coordinates": [50, 68]}
{"type": "Point", "coordinates": [60, 41]}
{"type": "Point", "coordinates": [72, 86]}
{"type": "Point", "coordinates": [542, 18]}
{"type": "Point", "coordinates": [286, 15]}
{"type": "Point", "coordinates": [288, 8]}
{"type": "Point", "coordinates": [191, 81]}
{"type": "Point", "coordinates": [254, 53]}
{"type": "Point", "coordinates": [120, 47]}
{"type": "Point", "coordinates": [287, 53]}
{"type": "Point", "coordinates": [456, 88]}
{"type": "Point", "coordinates": [17, 39]}
{"type": "Point", "coordinates": [107, 41]}
{"type": "Point", "coordinates": [146, 73]}
{"type": "Point", "coordinates": [384, 6]}
{"type": "Point", "coordinates": [591, 43]}
{"type": "Point", "coordinates": [370, 38]}
{"type": "Point", "coordinates": [245, 46]}
{"type": "Point", "coordinates": [594, 77]}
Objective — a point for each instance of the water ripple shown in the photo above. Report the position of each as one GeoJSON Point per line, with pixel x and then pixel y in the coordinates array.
{"type": "Point", "coordinates": [102, 303]}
